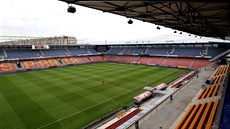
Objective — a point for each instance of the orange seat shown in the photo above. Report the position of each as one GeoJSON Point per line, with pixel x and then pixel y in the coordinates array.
{"type": "Point", "coordinates": [191, 117]}
{"type": "Point", "coordinates": [180, 124]}
{"type": "Point", "coordinates": [204, 116]}
{"type": "Point", "coordinates": [201, 94]}
{"type": "Point", "coordinates": [211, 117]}
{"type": "Point", "coordinates": [197, 117]}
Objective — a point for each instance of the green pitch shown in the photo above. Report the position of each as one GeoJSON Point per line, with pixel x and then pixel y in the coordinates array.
{"type": "Point", "coordinates": [72, 97]}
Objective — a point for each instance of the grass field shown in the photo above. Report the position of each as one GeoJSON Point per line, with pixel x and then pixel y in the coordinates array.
{"type": "Point", "coordinates": [72, 97]}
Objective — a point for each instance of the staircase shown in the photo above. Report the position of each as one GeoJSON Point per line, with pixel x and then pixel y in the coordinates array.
{"type": "Point", "coordinates": [190, 66]}
{"type": "Point", "coordinates": [122, 51]}
{"type": "Point", "coordinates": [5, 54]}
{"type": "Point", "coordinates": [171, 52]}
{"type": "Point", "coordinates": [41, 53]}
{"type": "Point", "coordinates": [90, 59]}
{"type": "Point", "coordinates": [89, 52]}
{"type": "Point", "coordinates": [68, 51]}
{"type": "Point", "coordinates": [146, 50]}
{"type": "Point", "coordinates": [109, 50]}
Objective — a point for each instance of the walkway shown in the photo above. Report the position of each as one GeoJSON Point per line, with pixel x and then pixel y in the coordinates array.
{"type": "Point", "coordinates": [167, 115]}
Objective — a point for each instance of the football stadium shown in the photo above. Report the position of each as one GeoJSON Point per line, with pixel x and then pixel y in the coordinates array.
{"type": "Point", "coordinates": [55, 83]}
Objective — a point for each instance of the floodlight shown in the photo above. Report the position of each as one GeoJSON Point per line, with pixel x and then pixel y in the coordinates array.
{"type": "Point", "coordinates": [130, 21]}
{"type": "Point", "coordinates": [158, 27]}
{"type": "Point", "coordinates": [71, 9]}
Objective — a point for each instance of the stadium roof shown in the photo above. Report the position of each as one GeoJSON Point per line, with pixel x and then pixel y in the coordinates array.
{"type": "Point", "coordinates": [199, 17]}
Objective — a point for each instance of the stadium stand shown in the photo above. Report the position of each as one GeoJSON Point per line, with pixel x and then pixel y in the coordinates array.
{"type": "Point", "coordinates": [73, 60]}
{"type": "Point", "coordinates": [214, 51]}
{"type": "Point", "coordinates": [123, 54]}
{"type": "Point", "coordinates": [27, 65]}
{"type": "Point", "coordinates": [201, 115]}
{"type": "Point", "coordinates": [187, 51]}
{"type": "Point", "coordinates": [129, 51]}
{"type": "Point", "coordinates": [157, 60]}
{"type": "Point", "coordinates": [53, 62]}
{"type": "Point", "coordinates": [124, 119]}
{"type": "Point", "coordinates": [8, 67]}
{"type": "Point", "coordinates": [209, 92]}
{"type": "Point", "coordinates": [144, 60]}
{"type": "Point", "coordinates": [44, 63]}
{"type": "Point", "coordinates": [69, 61]}
{"type": "Point", "coordinates": [112, 58]}
{"type": "Point", "coordinates": [198, 63]}
{"type": "Point", "coordinates": [15, 54]}
{"type": "Point", "coordinates": [83, 59]}
{"type": "Point", "coordinates": [140, 50]}
{"type": "Point", "coordinates": [158, 51]}
{"type": "Point", "coordinates": [179, 82]}
{"type": "Point", "coordinates": [184, 62]}
{"type": "Point", "coordinates": [160, 61]}
{"type": "Point", "coordinates": [92, 51]}
{"type": "Point", "coordinates": [78, 51]}
{"type": "Point", "coordinates": [2, 55]}
{"type": "Point", "coordinates": [54, 52]}
{"type": "Point", "coordinates": [115, 50]}
{"type": "Point", "coordinates": [127, 59]}
{"type": "Point", "coordinates": [96, 58]}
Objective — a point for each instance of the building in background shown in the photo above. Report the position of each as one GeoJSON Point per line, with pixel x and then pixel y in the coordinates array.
{"type": "Point", "coordinates": [22, 40]}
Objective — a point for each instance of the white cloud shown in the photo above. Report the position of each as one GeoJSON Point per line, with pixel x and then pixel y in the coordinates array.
{"type": "Point", "coordinates": [50, 18]}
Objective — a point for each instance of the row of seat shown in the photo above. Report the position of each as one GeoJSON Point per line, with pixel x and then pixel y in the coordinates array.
{"type": "Point", "coordinates": [124, 59]}
{"type": "Point", "coordinates": [209, 92]}
{"type": "Point", "coordinates": [7, 67]}
{"type": "Point", "coordinates": [221, 70]}
{"type": "Point", "coordinates": [199, 116]}
{"type": "Point", "coordinates": [164, 61]}
{"type": "Point", "coordinates": [96, 58]}
{"type": "Point", "coordinates": [45, 63]}
{"type": "Point", "coordinates": [166, 51]}
{"type": "Point", "coordinates": [124, 119]}
{"type": "Point", "coordinates": [15, 54]}
{"type": "Point", "coordinates": [178, 83]}
{"type": "Point", "coordinates": [212, 90]}
{"type": "Point", "coordinates": [217, 79]}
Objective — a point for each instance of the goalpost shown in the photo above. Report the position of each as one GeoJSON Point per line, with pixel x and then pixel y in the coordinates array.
{"type": "Point", "coordinates": [135, 63]}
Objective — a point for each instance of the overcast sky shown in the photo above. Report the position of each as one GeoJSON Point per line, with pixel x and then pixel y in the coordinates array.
{"type": "Point", "coordinates": [49, 18]}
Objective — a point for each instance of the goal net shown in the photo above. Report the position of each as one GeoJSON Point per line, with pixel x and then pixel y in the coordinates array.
{"type": "Point", "coordinates": [135, 63]}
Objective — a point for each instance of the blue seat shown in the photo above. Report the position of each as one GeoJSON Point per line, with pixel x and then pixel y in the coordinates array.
{"type": "Point", "coordinates": [54, 52]}
{"type": "Point", "coordinates": [12, 54]}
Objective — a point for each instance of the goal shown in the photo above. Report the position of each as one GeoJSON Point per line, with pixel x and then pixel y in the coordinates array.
{"type": "Point", "coordinates": [135, 63]}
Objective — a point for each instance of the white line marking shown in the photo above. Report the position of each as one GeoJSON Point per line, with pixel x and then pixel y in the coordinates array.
{"type": "Point", "coordinates": [83, 110]}
{"type": "Point", "coordinates": [92, 106]}
{"type": "Point", "coordinates": [116, 87]}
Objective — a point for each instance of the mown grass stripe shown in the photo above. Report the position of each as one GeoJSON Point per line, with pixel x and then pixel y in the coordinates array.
{"type": "Point", "coordinates": [29, 112]}
{"type": "Point", "coordinates": [47, 101]}
{"type": "Point", "coordinates": [64, 85]}
{"type": "Point", "coordinates": [8, 117]}
{"type": "Point", "coordinates": [114, 98]}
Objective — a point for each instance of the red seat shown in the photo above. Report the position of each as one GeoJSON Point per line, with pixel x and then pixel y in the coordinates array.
{"type": "Point", "coordinates": [124, 119]}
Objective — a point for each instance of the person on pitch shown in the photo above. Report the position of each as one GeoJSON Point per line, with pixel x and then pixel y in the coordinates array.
{"type": "Point", "coordinates": [103, 82]}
